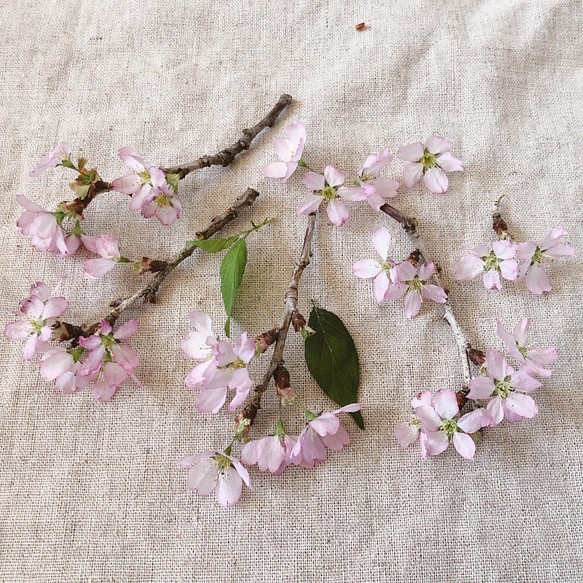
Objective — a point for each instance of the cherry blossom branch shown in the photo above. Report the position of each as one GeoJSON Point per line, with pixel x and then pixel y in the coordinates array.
{"type": "Point", "coordinates": [148, 292]}
{"type": "Point", "coordinates": [409, 225]}
{"type": "Point", "coordinates": [290, 312]}
{"type": "Point", "coordinates": [226, 156]}
{"type": "Point", "coordinates": [222, 158]}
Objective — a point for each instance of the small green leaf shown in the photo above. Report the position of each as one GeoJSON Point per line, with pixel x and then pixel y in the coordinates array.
{"type": "Point", "coordinates": [83, 191]}
{"type": "Point", "coordinates": [332, 359]}
{"type": "Point", "coordinates": [172, 180]}
{"type": "Point", "coordinates": [213, 245]}
{"type": "Point", "coordinates": [232, 269]}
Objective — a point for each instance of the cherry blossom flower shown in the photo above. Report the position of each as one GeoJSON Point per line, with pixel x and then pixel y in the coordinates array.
{"type": "Point", "coordinates": [55, 157]}
{"type": "Point", "coordinates": [59, 365]}
{"type": "Point", "coordinates": [271, 453]}
{"type": "Point", "coordinates": [41, 311]}
{"type": "Point", "coordinates": [219, 472]}
{"type": "Point", "coordinates": [107, 247]}
{"type": "Point", "coordinates": [368, 186]}
{"type": "Point", "coordinates": [533, 360]}
{"type": "Point", "coordinates": [440, 423]}
{"type": "Point", "coordinates": [289, 151]}
{"type": "Point", "coordinates": [407, 432]}
{"type": "Point", "coordinates": [507, 387]}
{"type": "Point", "coordinates": [431, 161]}
{"type": "Point", "coordinates": [45, 229]}
{"type": "Point", "coordinates": [493, 260]}
{"type": "Point", "coordinates": [322, 432]}
{"type": "Point", "coordinates": [151, 194]}
{"type": "Point", "coordinates": [325, 190]}
{"type": "Point", "coordinates": [223, 366]}
{"type": "Point", "coordinates": [532, 256]}
{"type": "Point", "coordinates": [108, 362]}
{"type": "Point", "coordinates": [412, 283]}
{"type": "Point", "coordinates": [382, 271]}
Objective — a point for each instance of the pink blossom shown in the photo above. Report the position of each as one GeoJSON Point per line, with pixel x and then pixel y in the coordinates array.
{"type": "Point", "coordinates": [223, 366]}
{"type": "Point", "coordinates": [219, 472]}
{"type": "Point", "coordinates": [289, 151]}
{"type": "Point", "coordinates": [107, 361]}
{"type": "Point", "coordinates": [493, 260]}
{"type": "Point", "coordinates": [533, 360]}
{"type": "Point", "coordinates": [55, 157]}
{"type": "Point", "coordinates": [322, 432]}
{"type": "Point", "coordinates": [105, 246]}
{"type": "Point", "coordinates": [325, 190]}
{"type": "Point", "coordinates": [151, 194]}
{"type": "Point", "coordinates": [368, 186]}
{"type": "Point", "coordinates": [506, 388]}
{"type": "Point", "coordinates": [45, 229]}
{"type": "Point", "coordinates": [412, 283]}
{"type": "Point", "coordinates": [439, 421]}
{"type": "Point", "coordinates": [431, 161]}
{"type": "Point", "coordinates": [532, 256]}
{"type": "Point", "coordinates": [407, 432]}
{"type": "Point", "coordinates": [271, 453]}
{"type": "Point", "coordinates": [382, 271]}
{"type": "Point", "coordinates": [41, 311]}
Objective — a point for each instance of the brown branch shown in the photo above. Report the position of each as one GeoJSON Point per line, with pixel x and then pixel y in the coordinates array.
{"type": "Point", "coordinates": [148, 293]}
{"type": "Point", "coordinates": [249, 412]}
{"type": "Point", "coordinates": [226, 156]}
{"type": "Point", "coordinates": [409, 225]}
{"type": "Point", "coordinates": [222, 158]}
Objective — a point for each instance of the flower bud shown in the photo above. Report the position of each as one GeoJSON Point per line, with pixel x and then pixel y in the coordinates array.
{"type": "Point", "coordinates": [147, 265]}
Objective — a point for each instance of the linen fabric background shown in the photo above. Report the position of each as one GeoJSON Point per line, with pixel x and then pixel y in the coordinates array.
{"type": "Point", "coordinates": [91, 492]}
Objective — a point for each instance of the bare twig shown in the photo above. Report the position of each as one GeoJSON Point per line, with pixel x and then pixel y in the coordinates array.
{"type": "Point", "coordinates": [409, 225]}
{"type": "Point", "coordinates": [290, 310]}
{"type": "Point", "coordinates": [148, 292]}
{"type": "Point", "coordinates": [226, 156]}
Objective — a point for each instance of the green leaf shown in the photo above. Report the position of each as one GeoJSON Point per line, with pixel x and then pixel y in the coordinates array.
{"type": "Point", "coordinates": [232, 269]}
{"type": "Point", "coordinates": [83, 191]}
{"type": "Point", "coordinates": [332, 359]}
{"type": "Point", "coordinates": [213, 245]}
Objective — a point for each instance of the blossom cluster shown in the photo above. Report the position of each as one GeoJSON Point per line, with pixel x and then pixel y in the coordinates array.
{"type": "Point", "coordinates": [99, 359]}
{"type": "Point", "coordinates": [392, 280]}
{"type": "Point", "coordinates": [153, 194]}
{"type": "Point", "coordinates": [429, 161]}
{"type": "Point", "coordinates": [500, 391]}
{"type": "Point", "coordinates": [514, 261]}
{"type": "Point", "coordinates": [224, 474]}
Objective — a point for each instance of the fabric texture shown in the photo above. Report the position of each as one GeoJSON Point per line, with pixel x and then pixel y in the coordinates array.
{"type": "Point", "coordinates": [91, 492]}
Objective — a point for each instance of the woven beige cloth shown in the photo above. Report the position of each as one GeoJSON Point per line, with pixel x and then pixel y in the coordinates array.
{"type": "Point", "coordinates": [91, 492]}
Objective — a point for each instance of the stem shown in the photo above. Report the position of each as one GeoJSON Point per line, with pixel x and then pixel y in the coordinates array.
{"type": "Point", "coordinates": [290, 308]}
{"type": "Point", "coordinates": [149, 291]}
{"type": "Point", "coordinates": [409, 225]}
{"type": "Point", "coordinates": [226, 156]}
{"type": "Point", "coordinates": [222, 158]}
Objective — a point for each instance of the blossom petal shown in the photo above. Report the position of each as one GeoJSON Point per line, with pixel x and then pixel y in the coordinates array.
{"type": "Point", "coordinates": [445, 403]}
{"type": "Point", "coordinates": [537, 281]}
{"type": "Point", "coordinates": [337, 213]}
{"type": "Point", "coordinates": [468, 267]}
{"type": "Point", "coordinates": [436, 181]}
{"type": "Point", "coordinates": [495, 409]}
{"type": "Point", "coordinates": [481, 388]}
{"type": "Point", "coordinates": [97, 268]}
{"type": "Point", "coordinates": [381, 239]}
{"type": "Point", "coordinates": [450, 163]}
{"type": "Point", "coordinates": [411, 152]}
{"type": "Point", "coordinates": [412, 174]}
{"type": "Point", "coordinates": [381, 285]}
{"type": "Point", "coordinates": [211, 400]}
{"type": "Point", "coordinates": [522, 405]}
{"type": "Point", "coordinates": [229, 487]}
{"type": "Point", "coordinates": [429, 418]}
{"type": "Point", "coordinates": [132, 159]}
{"type": "Point", "coordinates": [406, 433]}
{"type": "Point", "coordinates": [310, 204]}
{"type": "Point", "coordinates": [412, 303]}
{"type": "Point", "coordinates": [434, 293]}
{"type": "Point", "coordinates": [127, 184]}
{"type": "Point", "coordinates": [464, 445]}
{"type": "Point", "coordinates": [491, 279]}
{"type": "Point", "coordinates": [18, 330]}
{"type": "Point", "coordinates": [127, 330]}
{"type": "Point", "coordinates": [275, 170]}
{"type": "Point", "coordinates": [437, 442]}
{"type": "Point", "coordinates": [366, 268]}
{"type": "Point", "coordinates": [333, 176]}
{"type": "Point", "coordinates": [496, 365]}
{"type": "Point", "coordinates": [522, 381]}
{"type": "Point", "coordinates": [437, 145]}
{"type": "Point", "coordinates": [474, 420]}
{"type": "Point", "coordinates": [313, 180]}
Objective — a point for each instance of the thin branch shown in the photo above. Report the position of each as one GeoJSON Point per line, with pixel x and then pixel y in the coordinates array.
{"type": "Point", "coordinates": [226, 156]}
{"type": "Point", "coordinates": [148, 292]}
{"type": "Point", "coordinates": [290, 310]}
{"type": "Point", "coordinates": [409, 225]}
